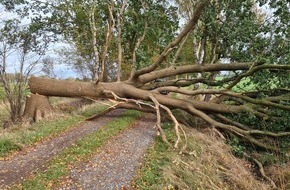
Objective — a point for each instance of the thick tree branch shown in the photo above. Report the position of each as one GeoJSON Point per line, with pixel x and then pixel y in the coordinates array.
{"type": "Point", "coordinates": [224, 92]}
{"type": "Point", "coordinates": [192, 23]}
{"type": "Point", "coordinates": [173, 71]}
{"type": "Point", "coordinates": [254, 69]}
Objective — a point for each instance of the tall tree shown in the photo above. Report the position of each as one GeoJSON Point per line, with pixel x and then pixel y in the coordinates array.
{"type": "Point", "coordinates": [99, 29]}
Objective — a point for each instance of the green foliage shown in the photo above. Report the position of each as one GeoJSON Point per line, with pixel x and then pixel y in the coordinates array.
{"type": "Point", "coordinates": [150, 175]}
{"type": "Point", "coordinates": [70, 20]}
{"type": "Point", "coordinates": [237, 147]}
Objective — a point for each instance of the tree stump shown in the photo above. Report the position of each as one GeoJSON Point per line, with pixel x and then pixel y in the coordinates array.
{"type": "Point", "coordinates": [37, 107]}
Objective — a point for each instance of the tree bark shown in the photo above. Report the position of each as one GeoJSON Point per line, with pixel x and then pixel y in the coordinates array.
{"type": "Point", "coordinates": [52, 87]}
{"type": "Point", "coordinates": [37, 107]}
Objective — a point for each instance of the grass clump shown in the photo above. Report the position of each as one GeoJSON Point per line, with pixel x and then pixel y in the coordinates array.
{"type": "Point", "coordinates": [208, 163]}
{"type": "Point", "coordinates": [60, 166]}
{"type": "Point", "coordinates": [6, 145]}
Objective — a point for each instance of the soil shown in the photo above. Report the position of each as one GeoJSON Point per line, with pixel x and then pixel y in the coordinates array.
{"type": "Point", "coordinates": [21, 165]}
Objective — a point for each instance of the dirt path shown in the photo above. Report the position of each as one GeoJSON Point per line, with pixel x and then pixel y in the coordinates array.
{"type": "Point", "coordinates": [115, 164]}
{"type": "Point", "coordinates": [23, 164]}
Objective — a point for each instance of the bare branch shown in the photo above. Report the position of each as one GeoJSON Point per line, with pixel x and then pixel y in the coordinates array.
{"type": "Point", "coordinates": [158, 123]}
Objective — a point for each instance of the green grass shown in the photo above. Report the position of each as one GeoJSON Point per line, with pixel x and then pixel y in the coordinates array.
{"type": "Point", "coordinates": [83, 149]}
{"type": "Point", "coordinates": [19, 136]}
{"type": "Point", "coordinates": [159, 155]}
{"type": "Point", "coordinates": [7, 145]}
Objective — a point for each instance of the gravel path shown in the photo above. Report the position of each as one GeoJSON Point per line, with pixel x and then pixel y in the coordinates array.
{"type": "Point", "coordinates": [23, 164]}
{"type": "Point", "coordinates": [115, 164]}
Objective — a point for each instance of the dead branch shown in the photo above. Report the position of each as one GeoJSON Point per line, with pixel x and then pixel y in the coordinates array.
{"type": "Point", "coordinates": [261, 170]}
{"type": "Point", "coordinates": [158, 123]}
{"type": "Point", "coordinates": [176, 125]}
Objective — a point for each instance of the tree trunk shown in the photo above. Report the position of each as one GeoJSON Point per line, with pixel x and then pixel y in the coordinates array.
{"type": "Point", "coordinates": [62, 88]}
{"type": "Point", "coordinates": [36, 108]}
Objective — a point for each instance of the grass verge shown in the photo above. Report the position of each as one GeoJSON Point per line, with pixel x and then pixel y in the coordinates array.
{"type": "Point", "coordinates": [83, 149]}
{"type": "Point", "coordinates": [207, 164]}
{"type": "Point", "coordinates": [19, 136]}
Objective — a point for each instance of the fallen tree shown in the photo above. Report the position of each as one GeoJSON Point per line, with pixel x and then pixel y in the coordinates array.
{"type": "Point", "coordinates": [144, 91]}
